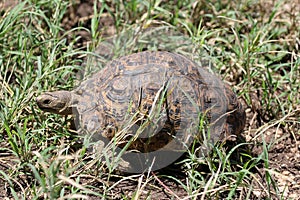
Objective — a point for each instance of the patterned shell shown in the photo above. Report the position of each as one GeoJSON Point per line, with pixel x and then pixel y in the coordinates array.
{"type": "Point", "coordinates": [151, 98]}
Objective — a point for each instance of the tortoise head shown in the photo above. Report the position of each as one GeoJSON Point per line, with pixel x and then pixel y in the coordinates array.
{"type": "Point", "coordinates": [59, 102]}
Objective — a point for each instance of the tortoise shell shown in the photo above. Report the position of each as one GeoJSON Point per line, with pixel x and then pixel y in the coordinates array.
{"type": "Point", "coordinates": [150, 98]}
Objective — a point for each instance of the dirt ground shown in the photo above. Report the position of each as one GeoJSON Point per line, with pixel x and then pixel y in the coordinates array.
{"type": "Point", "coordinates": [284, 155]}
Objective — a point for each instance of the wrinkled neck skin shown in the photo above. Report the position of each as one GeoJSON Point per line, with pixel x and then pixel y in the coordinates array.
{"type": "Point", "coordinates": [59, 102]}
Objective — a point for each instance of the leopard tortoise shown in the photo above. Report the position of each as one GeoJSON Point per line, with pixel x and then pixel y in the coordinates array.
{"type": "Point", "coordinates": [125, 97]}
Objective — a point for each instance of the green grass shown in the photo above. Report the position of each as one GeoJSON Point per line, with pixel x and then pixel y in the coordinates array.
{"type": "Point", "coordinates": [252, 45]}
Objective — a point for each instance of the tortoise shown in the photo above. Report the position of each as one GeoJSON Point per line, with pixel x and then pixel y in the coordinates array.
{"type": "Point", "coordinates": [162, 95]}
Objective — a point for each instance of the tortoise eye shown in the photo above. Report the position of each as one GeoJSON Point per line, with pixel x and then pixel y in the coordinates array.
{"type": "Point", "coordinates": [47, 101]}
